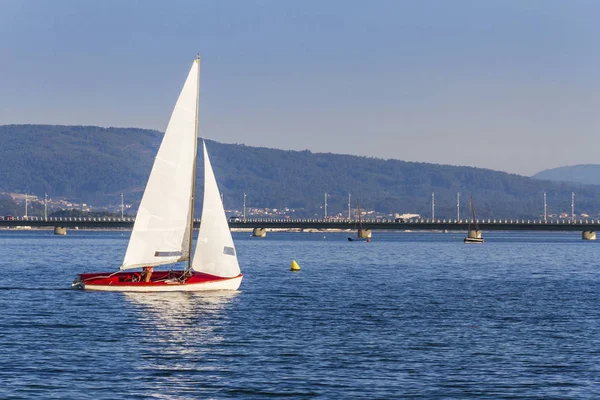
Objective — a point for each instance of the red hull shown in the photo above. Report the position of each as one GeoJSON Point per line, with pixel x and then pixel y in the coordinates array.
{"type": "Point", "coordinates": [159, 279]}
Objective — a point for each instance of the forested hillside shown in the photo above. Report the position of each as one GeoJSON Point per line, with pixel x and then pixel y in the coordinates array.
{"type": "Point", "coordinates": [78, 162]}
{"type": "Point", "coordinates": [97, 164]}
{"type": "Point", "coordinates": [583, 173]}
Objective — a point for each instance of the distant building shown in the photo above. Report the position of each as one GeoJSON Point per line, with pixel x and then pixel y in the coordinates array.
{"type": "Point", "coordinates": [405, 217]}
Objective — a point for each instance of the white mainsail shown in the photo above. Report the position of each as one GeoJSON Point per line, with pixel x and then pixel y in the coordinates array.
{"type": "Point", "coordinates": [161, 231]}
{"type": "Point", "coordinates": [215, 253]}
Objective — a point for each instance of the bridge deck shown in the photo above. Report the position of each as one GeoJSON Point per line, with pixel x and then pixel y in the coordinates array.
{"type": "Point", "coordinates": [420, 224]}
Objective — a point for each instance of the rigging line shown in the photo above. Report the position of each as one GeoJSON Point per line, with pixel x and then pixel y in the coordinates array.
{"type": "Point", "coordinates": [101, 277]}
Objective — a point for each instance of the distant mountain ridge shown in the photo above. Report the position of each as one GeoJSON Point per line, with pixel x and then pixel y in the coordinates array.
{"type": "Point", "coordinates": [80, 162]}
{"type": "Point", "coordinates": [96, 164]}
{"type": "Point", "coordinates": [583, 173]}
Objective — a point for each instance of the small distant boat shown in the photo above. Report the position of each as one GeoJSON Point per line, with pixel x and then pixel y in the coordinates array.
{"type": "Point", "coordinates": [473, 234]}
{"type": "Point", "coordinates": [162, 233]}
{"type": "Point", "coordinates": [359, 235]}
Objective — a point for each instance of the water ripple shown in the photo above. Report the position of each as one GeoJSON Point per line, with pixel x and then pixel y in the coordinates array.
{"type": "Point", "coordinates": [415, 315]}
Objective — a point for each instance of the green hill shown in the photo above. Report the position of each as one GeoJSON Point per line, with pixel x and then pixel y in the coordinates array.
{"type": "Point", "coordinates": [97, 164]}
{"type": "Point", "coordinates": [588, 174]}
{"type": "Point", "coordinates": [79, 162]}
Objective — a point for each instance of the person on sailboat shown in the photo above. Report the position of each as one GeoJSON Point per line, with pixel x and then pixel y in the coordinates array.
{"type": "Point", "coordinates": [147, 273]}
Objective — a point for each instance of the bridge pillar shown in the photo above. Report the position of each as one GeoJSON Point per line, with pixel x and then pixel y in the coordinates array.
{"type": "Point", "coordinates": [474, 234]}
{"type": "Point", "coordinates": [60, 230]}
{"type": "Point", "coordinates": [259, 232]}
{"type": "Point", "coordinates": [588, 235]}
{"type": "Point", "coordinates": [364, 234]}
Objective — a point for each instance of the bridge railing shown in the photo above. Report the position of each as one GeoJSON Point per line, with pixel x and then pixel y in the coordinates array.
{"type": "Point", "coordinates": [340, 222]}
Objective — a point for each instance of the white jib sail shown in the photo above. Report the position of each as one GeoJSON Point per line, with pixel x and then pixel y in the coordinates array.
{"type": "Point", "coordinates": [160, 234]}
{"type": "Point", "coordinates": [215, 253]}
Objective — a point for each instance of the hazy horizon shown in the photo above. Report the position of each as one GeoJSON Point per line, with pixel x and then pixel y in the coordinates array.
{"type": "Point", "coordinates": [503, 85]}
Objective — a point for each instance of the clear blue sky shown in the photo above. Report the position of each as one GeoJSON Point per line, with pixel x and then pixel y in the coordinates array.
{"type": "Point", "coordinates": [508, 85]}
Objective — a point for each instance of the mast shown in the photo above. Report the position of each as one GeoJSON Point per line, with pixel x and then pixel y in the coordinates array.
{"type": "Point", "coordinates": [545, 209]}
{"type": "Point", "coordinates": [473, 211]}
{"type": "Point", "coordinates": [572, 207]}
{"type": "Point", "coordinates": [349, 207]}
{"type": "Point", "coordinates": [470, 205]}
{"type": "Point", "coordinates": [193, 196]}
{"type": "Point", "coordinates": [360, 224]}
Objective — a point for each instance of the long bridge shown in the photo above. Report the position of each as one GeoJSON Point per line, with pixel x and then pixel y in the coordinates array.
{"type": "Point", "coordinates": [588, 227]}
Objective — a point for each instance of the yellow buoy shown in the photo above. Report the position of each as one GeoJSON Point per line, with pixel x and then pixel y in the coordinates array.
{"type": "Point", "coordinates": [295, 266]}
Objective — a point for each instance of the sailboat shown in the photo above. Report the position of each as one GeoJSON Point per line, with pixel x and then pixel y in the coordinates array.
{"type": "Point", "coordinates": [162, 232]}
{"type": "Point", "coordinates": [473, 235]}
{"type": "Point", "coordinates": [360, 236]}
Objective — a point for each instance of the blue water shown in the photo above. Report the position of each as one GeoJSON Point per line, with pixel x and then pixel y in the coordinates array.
{"type": "Point", "coordinates": [409, 315]}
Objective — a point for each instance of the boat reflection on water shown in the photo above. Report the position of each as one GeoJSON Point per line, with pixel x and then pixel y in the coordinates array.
{"type": "Point", "coordinates": [181, 333]}
{"type": "Point", "coordinates": [179, 312]}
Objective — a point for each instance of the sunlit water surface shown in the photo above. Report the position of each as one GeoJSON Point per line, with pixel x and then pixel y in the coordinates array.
{"type": "Point", "coordinates": [409, 315]}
